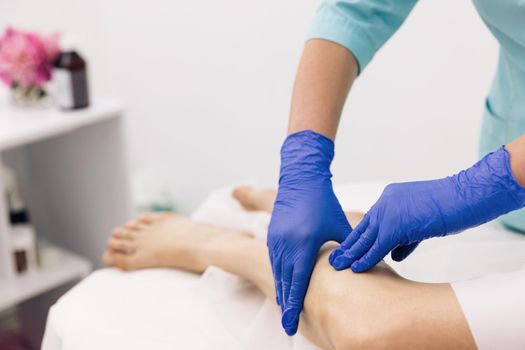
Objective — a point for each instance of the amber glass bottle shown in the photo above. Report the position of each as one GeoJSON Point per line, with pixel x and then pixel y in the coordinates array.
{"type": "Point", "coordinates": [70, 77]}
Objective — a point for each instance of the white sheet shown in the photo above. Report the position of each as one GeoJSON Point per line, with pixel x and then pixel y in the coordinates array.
{"type": "Point", "coordinates": [159, 308]}
{"type": "Point", "coordinates": [494, 307]}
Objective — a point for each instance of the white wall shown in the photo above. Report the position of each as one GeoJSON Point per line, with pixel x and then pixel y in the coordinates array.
{"type": "Point", "coordinates": [207, 84]}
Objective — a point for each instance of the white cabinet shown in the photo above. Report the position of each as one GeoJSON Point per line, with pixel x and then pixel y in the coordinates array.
{"type": "Point", "coordinates": [72, 172]}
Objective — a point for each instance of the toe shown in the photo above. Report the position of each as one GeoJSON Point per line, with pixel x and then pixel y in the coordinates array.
{"type": "Point", "coordinates": [159, 215]}
{"type": "Point", "coordinates": [243, 195]}
{"type": "Point", "coordinates": [118, 260]}
{"type": "Point", "coordinates": [146, 218]}
{"type": "Point", "coordinates": [240, 193]}
{"type": "Point", "coordinates": [121, 245]}
{"type": "Point", "coordinates": [107, 258]}
{"type": "Point", "coordinates": [123, 233]}
{"type": "Point", "coordinates": [123, 261]}
{"type": "Point", "coordinates": [149, 218]}
{"type": "Point", "coordinates": [134, 225]}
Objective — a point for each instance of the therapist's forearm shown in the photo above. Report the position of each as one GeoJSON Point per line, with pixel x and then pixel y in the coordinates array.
{"type": "Point", "coordinates": [324, 77]}
{"type": "Point", "coordinates": [516, 151]}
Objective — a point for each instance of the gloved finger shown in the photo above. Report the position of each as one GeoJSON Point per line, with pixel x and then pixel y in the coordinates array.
{"type": "Point", "coordinates": [277, 301]}
{"type": "Point", "coordinates": [356, 233]}
{"type": "Point", "coordinates": [286, 270]}
{"type": "Point", "coordinates": [372, 257]}
{"type": "Point", "coordinates": [402, 251]}
{"type": "Point", "coordinates": [300, 280]}
{"type": "Point", "coordinates": [278, 281]}
{"type": "Point", "coordinates": [356, 251]}
{"type": "Point", "coordinates": [350, 240]}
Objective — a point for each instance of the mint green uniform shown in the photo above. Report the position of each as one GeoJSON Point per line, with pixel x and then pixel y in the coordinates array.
{"type": "Point", "coordinates": [363, 26]}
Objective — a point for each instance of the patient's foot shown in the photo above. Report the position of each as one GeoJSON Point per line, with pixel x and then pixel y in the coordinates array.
{"type": "Point", "coordinates": [262, 199]}
{"type": "Point", "coordinates": [164, 240]}
{"type": "Point", "coordinates": [254, 198]}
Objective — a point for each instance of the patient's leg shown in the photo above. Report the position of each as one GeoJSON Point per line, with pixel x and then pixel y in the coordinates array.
{"type": "Point", "coordinates": [167, 240]}
{"type": "Point", "coordinates": [262, 199]}
{"type": "Point", "coordinates": [342, 309]}
{"type": "Point", "coordinates": [164, 240]}
{"type": "Point", "coordinates": [253, 198]}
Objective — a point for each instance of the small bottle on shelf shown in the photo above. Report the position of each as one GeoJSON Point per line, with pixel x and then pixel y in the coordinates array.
{"type": "Point", "coordinates": [24, 247]}
{"type": "Point", "coordinates": [23, 237]}
{"type": "Point", "coordinates": [70, 78]}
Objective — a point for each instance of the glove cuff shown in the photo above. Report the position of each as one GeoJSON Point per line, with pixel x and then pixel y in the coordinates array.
{"type": "Point", "coordinates": [490, 190]}
{"type": "Point", "coordinates": [306, 155]}
{"type": "Point", "coordinates": [516, 190]}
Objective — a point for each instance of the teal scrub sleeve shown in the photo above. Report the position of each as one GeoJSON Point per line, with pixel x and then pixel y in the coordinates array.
{"type": "Point", "coordinates": [362, 26]}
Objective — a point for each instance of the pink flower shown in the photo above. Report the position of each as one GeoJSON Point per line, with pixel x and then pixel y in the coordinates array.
{"type": "Point", "coordinates": [26, 58]}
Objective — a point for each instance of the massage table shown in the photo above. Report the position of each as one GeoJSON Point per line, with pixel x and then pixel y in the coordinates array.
{"type": "Point", "coordinates": [171, 309]}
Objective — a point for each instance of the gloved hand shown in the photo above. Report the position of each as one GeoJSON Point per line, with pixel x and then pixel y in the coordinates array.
{"type": "Point", "coordinates": [306, 214]}
{"type": "Point", "coordinates": [407, 213]}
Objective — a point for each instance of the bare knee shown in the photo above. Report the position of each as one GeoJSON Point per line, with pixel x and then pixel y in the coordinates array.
{"type": "Point", "coordinates": [353, 311]}
{"type": "Point", "coordinates": [325, 307]}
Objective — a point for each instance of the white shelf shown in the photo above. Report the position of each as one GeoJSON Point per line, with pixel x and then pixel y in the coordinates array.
{"type": "Point", "coordinates": [71, 167]}
{"type": "Point", "coordinates": [18, 289]}
{"type": "Point", "coordinates": [19, 126]}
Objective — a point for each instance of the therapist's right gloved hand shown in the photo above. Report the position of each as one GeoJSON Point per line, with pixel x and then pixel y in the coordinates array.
{"type": "Point", "coordinates": [306, 214]}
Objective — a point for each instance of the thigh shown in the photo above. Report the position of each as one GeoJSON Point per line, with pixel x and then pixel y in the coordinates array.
{"type": "Point", "coordinates": [379, 309]}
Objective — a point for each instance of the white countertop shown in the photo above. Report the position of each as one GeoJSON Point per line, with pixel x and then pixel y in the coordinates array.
{"type": "Point", "coordinates": [19, 125]}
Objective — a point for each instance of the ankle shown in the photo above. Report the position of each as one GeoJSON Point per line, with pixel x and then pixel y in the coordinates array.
{"type": "Point", "coordinates": [217, 249]}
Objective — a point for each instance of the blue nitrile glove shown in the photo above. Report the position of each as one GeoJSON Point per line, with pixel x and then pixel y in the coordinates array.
{"type": "Point", "coordinates": [306, 214]}
{"type": "Point", "coordinates": [407, 213]}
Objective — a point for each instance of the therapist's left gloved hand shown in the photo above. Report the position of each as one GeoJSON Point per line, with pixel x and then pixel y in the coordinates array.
{"type": "Point", "coordinates": [407, 213]}
{"type": "Point", "coordinates": [306, 214]}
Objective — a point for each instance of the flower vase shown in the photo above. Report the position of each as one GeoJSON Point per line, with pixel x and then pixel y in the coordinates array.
{"type": "Point", "coordinates": [30, 96]}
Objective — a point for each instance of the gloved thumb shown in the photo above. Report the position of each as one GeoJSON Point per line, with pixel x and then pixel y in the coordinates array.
{"type": "Point", "coordinates": [343, 231]}
{"type": "Point", "coordinates": [340, 236]}
{"type": "Point", "coordinates": [402, 251]}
